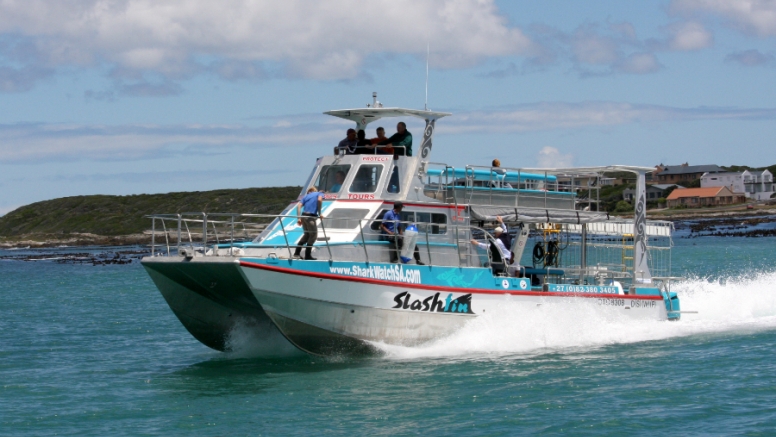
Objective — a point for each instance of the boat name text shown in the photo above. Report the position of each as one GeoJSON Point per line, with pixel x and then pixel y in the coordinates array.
{"type": "Point", "coordinates": [433, 304]}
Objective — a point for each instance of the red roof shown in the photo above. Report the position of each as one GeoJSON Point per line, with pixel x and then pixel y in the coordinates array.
{"type": "Point", "coordinates": [695, 192]}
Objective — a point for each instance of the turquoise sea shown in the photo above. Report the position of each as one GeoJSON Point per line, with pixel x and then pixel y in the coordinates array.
{"type": "Point", "coordinates": [94, 350]}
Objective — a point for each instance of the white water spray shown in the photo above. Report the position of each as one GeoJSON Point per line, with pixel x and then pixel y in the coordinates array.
{"type": "Point", "coordinates": [728, 304]}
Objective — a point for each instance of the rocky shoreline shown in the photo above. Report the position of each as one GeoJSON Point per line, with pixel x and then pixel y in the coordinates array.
{"type": "Point", "coordinates": [738, 223]}
{"type": "Point", "coordinates": [36, 241]}
{"type": "Point", "coordinates": [100, 258]}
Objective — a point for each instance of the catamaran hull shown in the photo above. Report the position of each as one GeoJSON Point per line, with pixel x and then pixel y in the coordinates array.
{"type": "Point", "coordinates": [325, 314]}
{"type": "Point", "coordinates": [210, 298]}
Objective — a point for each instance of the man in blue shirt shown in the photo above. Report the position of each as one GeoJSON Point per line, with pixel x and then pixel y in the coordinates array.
{"type": "Point", "coordinates": [392, 231]}
{"type": "Point", "coordinates": [309, 209]}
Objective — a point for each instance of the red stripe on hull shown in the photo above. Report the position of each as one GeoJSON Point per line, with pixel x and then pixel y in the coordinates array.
{"type": "Point", "coordinates": [437, 287]}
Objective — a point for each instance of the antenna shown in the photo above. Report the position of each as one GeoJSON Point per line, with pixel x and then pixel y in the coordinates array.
{"type": "Point", "coordinates": [425, 105]}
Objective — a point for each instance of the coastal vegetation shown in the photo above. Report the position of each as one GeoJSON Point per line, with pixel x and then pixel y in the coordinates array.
{"type": "Point", "coordinates": [124, 215]}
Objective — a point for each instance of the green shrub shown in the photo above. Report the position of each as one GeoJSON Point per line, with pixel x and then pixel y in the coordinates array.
{"type": "Point", "coordinates": [623, 206]}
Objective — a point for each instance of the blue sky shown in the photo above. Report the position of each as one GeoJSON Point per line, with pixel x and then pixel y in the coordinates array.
{"type": "Point", "coordinates": [128, 96]}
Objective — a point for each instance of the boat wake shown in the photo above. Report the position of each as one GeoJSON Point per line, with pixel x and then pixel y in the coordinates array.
{"type": "Point", "coordinates": [723, 304]}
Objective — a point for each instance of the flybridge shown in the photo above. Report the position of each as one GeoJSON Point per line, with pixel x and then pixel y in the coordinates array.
{"type": "Point", "coordinates": [364, 116]}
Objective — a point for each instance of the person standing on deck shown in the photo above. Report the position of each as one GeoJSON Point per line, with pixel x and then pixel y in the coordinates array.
{"type": "Point", "coordinates": [401, 140]}
{"type": "Point", "coordinates": [309, 209]}
{"type": "Point", "coordinates": [391, 229]}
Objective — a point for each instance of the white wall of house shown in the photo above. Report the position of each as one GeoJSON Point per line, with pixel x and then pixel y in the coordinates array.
{"type": "Point", "coordinates": [734, 181]}
{"type": "Point", "coordinates": [758, 186]}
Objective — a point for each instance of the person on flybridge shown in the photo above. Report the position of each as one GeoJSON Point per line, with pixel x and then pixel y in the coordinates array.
{"type": "Point", "coordinates": [381, 150]}
{"type": "Point", "coordinates": [309, 209]}
{"type": "Point", "coordinates": [401, 140]}
{"type": "Point", "coordinates": [349, 144]}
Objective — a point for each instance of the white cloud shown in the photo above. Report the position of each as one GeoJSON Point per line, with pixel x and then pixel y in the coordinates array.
{"type": "Point", "coordinates": [573, 116]}
{"type": "Point", "coordinates": [310, 39]}
{"type": "Point", "coordinates": [550, 157]}
{"type": "Point", "coordinates": [689, 36]}
{"type": "Point", "coordinates": [753, 16]}
{"type": "Point", "coordinates": [34, 143]}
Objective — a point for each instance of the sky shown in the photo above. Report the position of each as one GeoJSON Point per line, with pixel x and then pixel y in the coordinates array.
{"type": "Point", "coordinates": [148, 96]}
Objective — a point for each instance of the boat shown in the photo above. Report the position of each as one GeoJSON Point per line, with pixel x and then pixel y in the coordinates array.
{"type": "Point", "coordinates": [221, 271]}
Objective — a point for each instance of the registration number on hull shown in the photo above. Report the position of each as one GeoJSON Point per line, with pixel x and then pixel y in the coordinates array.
{"type": "Point", "coordinates": [611, 302]}
{"type": "Point", "coordinates": [630, 303]}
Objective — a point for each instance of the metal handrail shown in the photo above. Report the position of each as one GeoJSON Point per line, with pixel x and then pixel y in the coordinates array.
{"type": "Point", "coordinates": [455, 232]}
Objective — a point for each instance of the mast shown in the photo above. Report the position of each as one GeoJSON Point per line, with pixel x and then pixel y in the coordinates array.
{"type": "Point", "coordinates": [641, 274]}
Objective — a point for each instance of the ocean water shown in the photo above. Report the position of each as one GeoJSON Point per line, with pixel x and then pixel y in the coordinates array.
{"type": "Point", "coordinates": [94, 350]}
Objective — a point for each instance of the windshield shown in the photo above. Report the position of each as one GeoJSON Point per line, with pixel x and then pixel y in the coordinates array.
{"type": "Point", "coordinates": [367, 178]}
{"type": "Point", "coordinates": [331, 178]}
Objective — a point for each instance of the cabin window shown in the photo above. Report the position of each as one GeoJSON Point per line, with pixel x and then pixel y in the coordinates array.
{"type": "Point", "coordinates": [436, 223]}
{"type": "Point", "coordinates": [307, 183]}
{"type": "Point", "coordinates": [367, 178]}
{"type": "Point", "coordinates": [331, 177]}
{"type": "Point", "coordinates": [393, 183]}
{"type": "Point", "coordinates": [345, 218]}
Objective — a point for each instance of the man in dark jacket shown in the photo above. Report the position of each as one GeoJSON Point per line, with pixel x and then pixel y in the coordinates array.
{"type": "Point", "coordinates": [401, 140]}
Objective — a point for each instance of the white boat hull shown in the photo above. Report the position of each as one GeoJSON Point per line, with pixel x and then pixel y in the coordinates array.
{"type": "Point", "coordinates": [326, 314]}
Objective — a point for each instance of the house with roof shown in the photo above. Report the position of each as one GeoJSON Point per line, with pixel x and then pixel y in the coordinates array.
{"type": "Point", "coordinates": [654, 192]}
{"type": "Point", "coordinates": [698, 197]}
{"type": "Point", "coordinates": [754, 185]}
{"type": "Point", "coordinates": [758, 186]}
{"type": "Point", "coordinates": [683, 173]}
{"type": "Point", "coordinates": [733, 180]}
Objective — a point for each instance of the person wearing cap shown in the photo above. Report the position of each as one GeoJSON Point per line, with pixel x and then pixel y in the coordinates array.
{"type": "Point", "coordinates": [309, 209]}
{"type": "Point", "coordinates": [506, 255]}
{"type": "Point", "coordinates": [504, 237]}
{"type": "Point", "coordinates": [392, 230]}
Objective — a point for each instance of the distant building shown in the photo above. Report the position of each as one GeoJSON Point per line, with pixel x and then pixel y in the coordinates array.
{"type": "Point", "coordinates": [683, 173]}
{"type": "Point", "coordinates": [758, 186]}
{"type": "Point", "coordinates": [654, 192]}
{"type": "Point", "coordinates": [697, 197]}
{"type": "Point", "coordinates": [733, 180]}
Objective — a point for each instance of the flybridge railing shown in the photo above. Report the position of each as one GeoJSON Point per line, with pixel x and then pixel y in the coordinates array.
{"type": "Point", "coordinates": [513, 186]}
{"type": "Point", "coordinates": [373, 150]}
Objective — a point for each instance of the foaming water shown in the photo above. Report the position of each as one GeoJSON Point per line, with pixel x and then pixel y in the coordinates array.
{"type": "Point", "coordinates": [724, 304]}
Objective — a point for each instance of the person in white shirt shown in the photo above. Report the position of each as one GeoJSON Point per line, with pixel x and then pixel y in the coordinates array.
{"type": "Point", "coordinates": [506, 255]}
